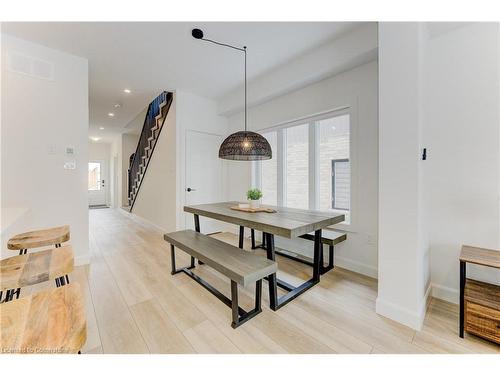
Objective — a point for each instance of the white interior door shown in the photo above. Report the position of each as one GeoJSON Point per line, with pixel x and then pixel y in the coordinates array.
{"type": "Point", "coordinates": [203, 176]}
{"type": "Point", "coordinates": [97, 185]}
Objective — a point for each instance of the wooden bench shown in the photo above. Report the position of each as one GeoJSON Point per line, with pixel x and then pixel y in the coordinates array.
{"type": "Point", "coordinates": [39, 238]}
{"type": "Point", "coordinates": [241, 267]}
{"type": "Point", "coordinates": [52, 321]}
{"type": "Point", "coordinates": [328, 237]}
{"type": "Point", "coordinates": [29, 269]}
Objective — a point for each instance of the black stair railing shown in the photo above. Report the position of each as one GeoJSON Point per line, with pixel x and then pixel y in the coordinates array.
{"type": "Point", "coordinates": [146, 134]}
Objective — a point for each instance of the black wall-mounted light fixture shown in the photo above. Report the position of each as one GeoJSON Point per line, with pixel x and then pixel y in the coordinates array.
{"type": "Point", "coordinates": [242, 145]}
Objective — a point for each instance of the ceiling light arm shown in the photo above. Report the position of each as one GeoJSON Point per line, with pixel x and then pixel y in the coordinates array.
{"type": "Point", "coordinates": [244, 50]}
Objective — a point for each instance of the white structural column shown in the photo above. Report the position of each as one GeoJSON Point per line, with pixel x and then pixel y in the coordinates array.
{"type": "Point", "coordinates": [403, 268]}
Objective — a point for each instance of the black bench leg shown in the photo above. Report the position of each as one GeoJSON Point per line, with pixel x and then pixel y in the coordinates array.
{"type": "Point", "coordinates": [197, 229]}
{"type": "Point", "coordinates": [240, 316]}
{"type": "Point", "coordinates": [172, 262]}
{"type": "Point", "coordinates": [242, 232]}
{"type": "Point", "coordinates": [252, 234]}
{"type": "Point", "coordinates": [172, 259]}
{"type": "Point", "coordinates": [234, 303]}
{"type": "Point", "coordinates": [330, 260]}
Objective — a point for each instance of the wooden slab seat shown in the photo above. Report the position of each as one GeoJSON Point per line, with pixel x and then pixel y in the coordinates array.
{"type": "Point", "coordinates": [328, 237]}
{"type": "Point", "coordinates": [28, 269]}
{"type": "Point", "coordinates": [39, 238]}
{"type": "Point", "coordinates": [240, 266]}
{"type": "Point", "coordinates": [52, 321]}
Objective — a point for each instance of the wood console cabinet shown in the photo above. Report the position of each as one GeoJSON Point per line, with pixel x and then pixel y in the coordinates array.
{"type": "Point", "coordinates": [479, 301]}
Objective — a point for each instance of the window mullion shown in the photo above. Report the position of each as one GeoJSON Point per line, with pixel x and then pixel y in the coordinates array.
{"type": "Point", "coordinates": [313, 166]}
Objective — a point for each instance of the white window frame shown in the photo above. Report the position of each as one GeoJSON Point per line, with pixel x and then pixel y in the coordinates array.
{"type": "Point", "coordinates": [314, 188]}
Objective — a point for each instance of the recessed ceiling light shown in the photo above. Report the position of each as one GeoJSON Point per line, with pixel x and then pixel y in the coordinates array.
{"type": "Point", "coordinates": [95, 139]}
{"type": "Point", "coordinates": [101, 127]}
{"type": "Point", "coordinates": [117, 105]}
{"type": "Point", "coordinates": [127, 91]}
{"type": "Point", "coordinates": [111, 114]}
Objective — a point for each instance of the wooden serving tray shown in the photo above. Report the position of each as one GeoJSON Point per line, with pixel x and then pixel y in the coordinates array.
{"type": "Point", "coordinates": [249, 209]}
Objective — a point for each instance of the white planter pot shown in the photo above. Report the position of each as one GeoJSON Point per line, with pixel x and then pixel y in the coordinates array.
{"type": "Point", "coordinates": [254, 204]}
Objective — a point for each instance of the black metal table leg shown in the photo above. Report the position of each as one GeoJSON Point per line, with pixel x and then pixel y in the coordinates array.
{"type": "Point", "coordinates": [252, 235]}
{"type": "Point", "coordinates": [242, 233]}
{"type": "Point", "coordinates": [273, 286]}
{"type": "Point", "coordinates": [462, 302]}
{"type": "Point", "coordinates": [293, 292]}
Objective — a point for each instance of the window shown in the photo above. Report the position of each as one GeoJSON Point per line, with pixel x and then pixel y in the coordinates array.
{"type": "Point", "coordinates": [94, 176]}
{"type": "Point", "coordinates": [297, 166]}
{"type": "Point", "coordinates": [311, 165]}
{"type": "Point", "coordinates": [341, 181]}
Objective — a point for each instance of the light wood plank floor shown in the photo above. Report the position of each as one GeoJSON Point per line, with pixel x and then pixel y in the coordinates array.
{"type": "Point", "coordinates": [134, 305]}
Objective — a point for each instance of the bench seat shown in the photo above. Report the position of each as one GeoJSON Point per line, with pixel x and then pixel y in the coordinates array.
{"type": "Point", "coordinates": [52, 321]}
{"type": "Point", "coordinates": [240, 266]}
{"type": "Point", "coordinates": [39, 238]}
{"type": "Point", "coordinates": [328, 237]}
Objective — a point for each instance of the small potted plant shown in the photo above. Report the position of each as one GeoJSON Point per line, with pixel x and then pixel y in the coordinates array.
{"type": "Point", "coordinates": [254, 195]}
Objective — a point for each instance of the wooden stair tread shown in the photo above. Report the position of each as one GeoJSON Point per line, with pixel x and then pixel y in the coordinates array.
{"type": "Point", "coordinates": [51, 321]}
{"type": "Point", "coordinates": [477, 255]}
{"type": "Point", "coordinates": [241, 266]}
{"type": "Point", "coordinates": [328, 237]}
{"type": "Point", "coordinates": [29, 269]}
{"type": "Point", "coordinates": [39, 238]}
{"type": "Point", "coordinates": [482, 293]}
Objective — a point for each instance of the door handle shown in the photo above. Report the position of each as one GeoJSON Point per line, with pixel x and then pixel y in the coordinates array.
{"type": "Point", "coordinates": [190, 190]}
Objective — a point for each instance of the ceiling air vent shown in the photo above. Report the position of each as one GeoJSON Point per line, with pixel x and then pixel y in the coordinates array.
{"type": "Point", "coordinates": [30, 66]}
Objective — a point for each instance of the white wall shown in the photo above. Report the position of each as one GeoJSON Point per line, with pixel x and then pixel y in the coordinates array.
{"type": "Point", "coordinates": [102, 152]}
{"type": "Point", "coordinates": [462, 136]}
{"type": "Point", "coordinates": [39, 119]}
{"type": "Point", "coordinates": [357, 88]}
{"type": "Point", "coordinates": [403, 261]}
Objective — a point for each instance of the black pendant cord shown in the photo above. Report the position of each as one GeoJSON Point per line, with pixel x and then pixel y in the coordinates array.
{"type": "Point", "coordinates": [244, 49]}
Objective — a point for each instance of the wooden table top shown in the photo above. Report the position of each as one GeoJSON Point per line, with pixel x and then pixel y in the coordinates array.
{"type": "Point", "coordinates": [52, 321]}
{"type": "Point", "coordinates": [29, 269]}
{"type": "Point", "coordinates": [478, 255]}
{"type": "Point", "coordinates": [39, 238]}
{"type": "Point", "coordinates": [285, 222]}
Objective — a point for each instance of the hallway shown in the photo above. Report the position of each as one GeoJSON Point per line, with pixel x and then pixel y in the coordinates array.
{"type": "Point", "coordinates": [134, 305]}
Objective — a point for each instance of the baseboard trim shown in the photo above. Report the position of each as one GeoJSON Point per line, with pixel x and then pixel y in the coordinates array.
{"type": "Point", "coordinates": [402, 315]}
{"type": "Point", "coordinates": [82, 260]}
{"type": "Point", "coordinates": [355, 266]}
{"type": "Point", "coordinates": [445, 293]}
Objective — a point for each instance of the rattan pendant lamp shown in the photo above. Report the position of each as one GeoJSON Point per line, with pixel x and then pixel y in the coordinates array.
{"type": "Point", "coordinates": [243, 145]}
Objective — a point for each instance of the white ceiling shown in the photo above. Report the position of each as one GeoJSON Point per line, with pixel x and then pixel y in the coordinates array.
{"type": "Point", "coordinates": [154, 56]}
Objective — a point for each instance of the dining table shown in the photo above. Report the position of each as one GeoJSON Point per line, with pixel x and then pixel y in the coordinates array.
{"type": "Point", "coordinates": [283, 222]}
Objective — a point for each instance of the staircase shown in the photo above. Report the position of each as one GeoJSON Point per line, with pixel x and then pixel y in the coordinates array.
{"type": "Point", "coordinates": [153, 124]}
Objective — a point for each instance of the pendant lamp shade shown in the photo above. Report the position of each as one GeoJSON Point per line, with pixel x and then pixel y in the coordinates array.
{"type": "Point", "coordinates": [245, 145]}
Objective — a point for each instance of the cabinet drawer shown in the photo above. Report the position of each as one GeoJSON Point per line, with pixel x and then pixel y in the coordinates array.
{"type": "Point", "coordinates": [482, 321]}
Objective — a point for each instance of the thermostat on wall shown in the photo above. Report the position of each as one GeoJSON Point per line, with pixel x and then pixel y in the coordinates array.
{"type": "Point", "coordinates": [70, 150]}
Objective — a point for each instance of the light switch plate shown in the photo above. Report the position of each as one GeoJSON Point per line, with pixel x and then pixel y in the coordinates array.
{"type": "Point", "coordinates": [70, 165]}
